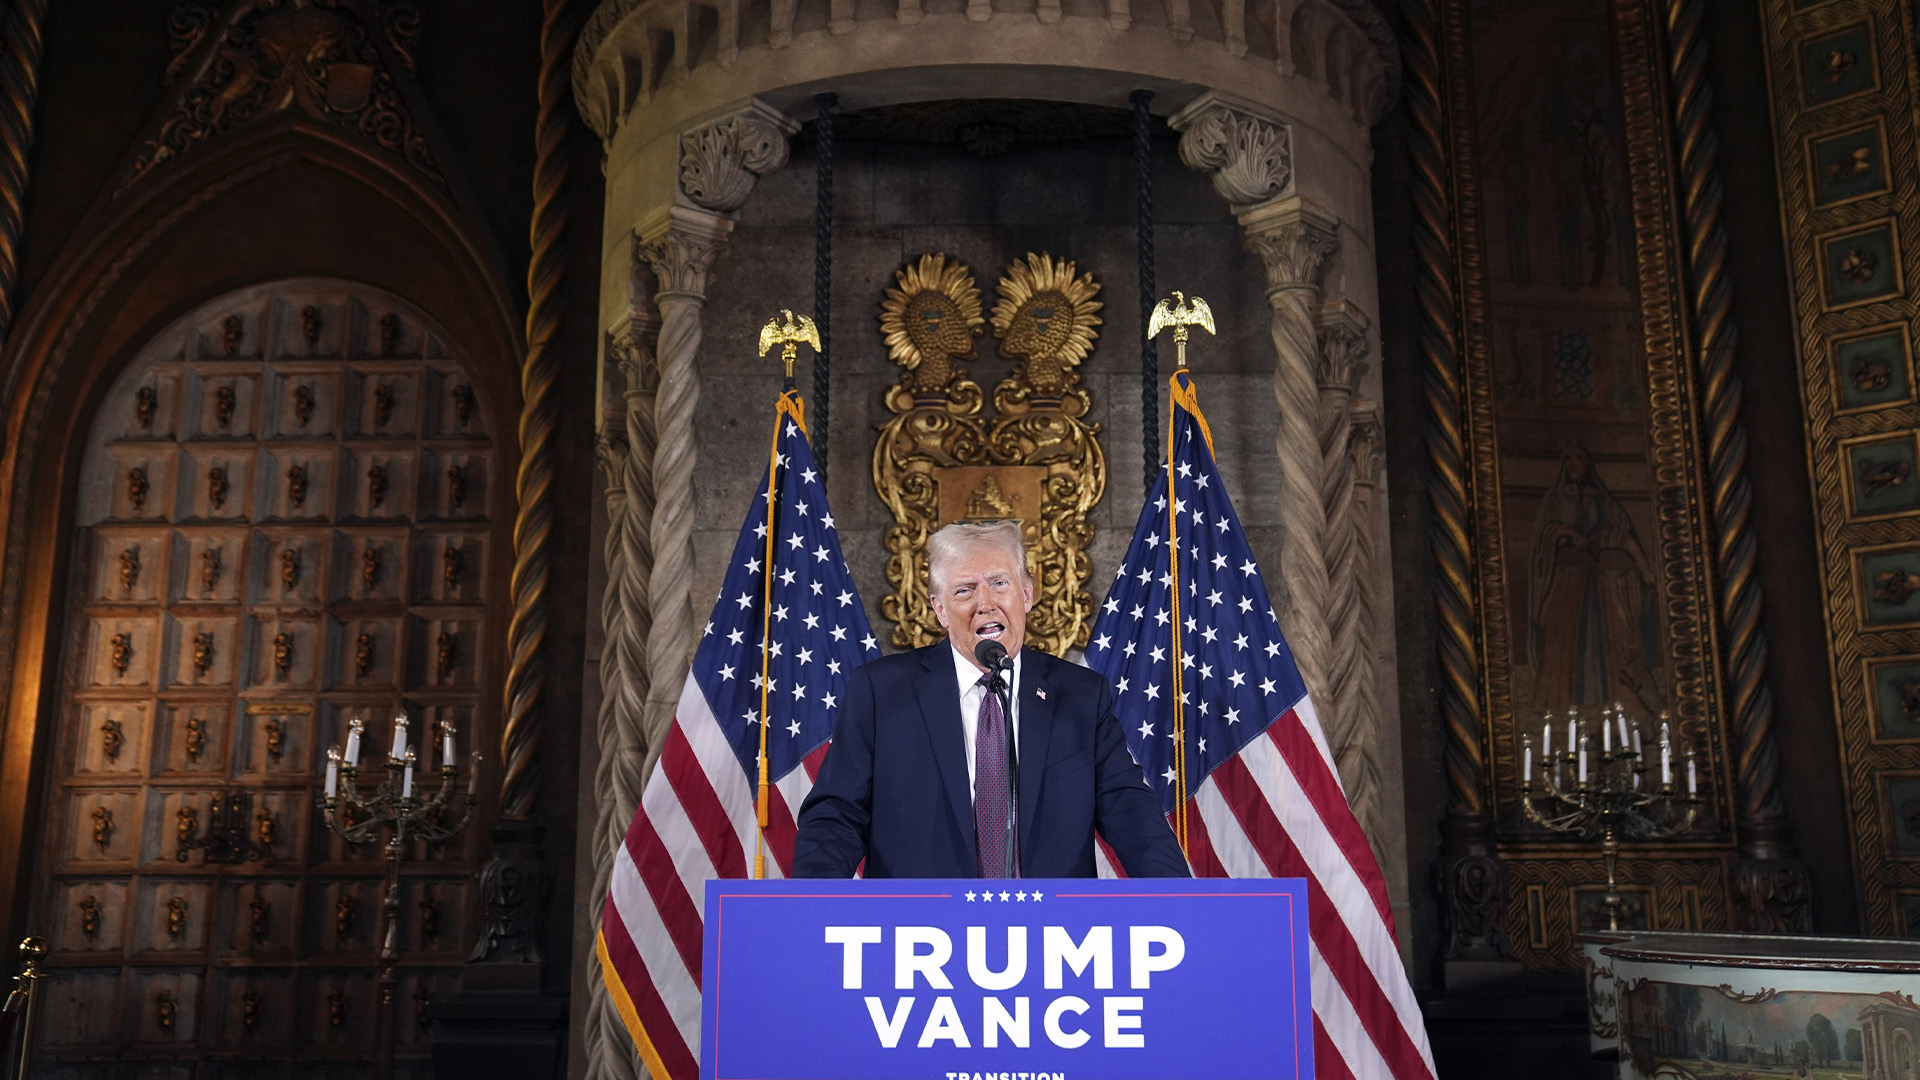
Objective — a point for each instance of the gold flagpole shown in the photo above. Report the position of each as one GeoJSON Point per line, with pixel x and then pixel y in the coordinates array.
{"type": "Point", "coordinates": [1181, 313]}
{"type": "Point", "coordinates": [789, 336]}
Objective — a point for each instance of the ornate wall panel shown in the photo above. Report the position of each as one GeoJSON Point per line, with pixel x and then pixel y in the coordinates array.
{"type": "Point", "coordinates": [1581, 431]}
{"type": "Point", "coordinates": [284, 521]}
{"type": "Point", "coordinates": [1841, 79]}
{"type": "Point", "coordinates": [1038, 461]}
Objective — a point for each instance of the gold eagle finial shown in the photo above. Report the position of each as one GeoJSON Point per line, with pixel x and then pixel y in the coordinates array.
{"type": "Point", "coordinates": [797, 330]}
{"type": "Point", "coordinates": [1181, 312]}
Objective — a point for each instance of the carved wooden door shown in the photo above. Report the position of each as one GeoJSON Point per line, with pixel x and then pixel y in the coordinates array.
{"type": "Point", "coordinates": [283, 522]}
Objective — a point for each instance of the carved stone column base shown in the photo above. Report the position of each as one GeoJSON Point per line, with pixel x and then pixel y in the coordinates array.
{"type": "Point", "coordinates": [513, 898]}
{"type": "Point", "coordinates": [504, 1021]}
{"type": "Point", "coordinates": [1471, 883]}
{"type": "Point", "coordinates": [1772, 892]}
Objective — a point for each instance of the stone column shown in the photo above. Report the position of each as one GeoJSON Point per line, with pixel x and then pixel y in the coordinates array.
{"type": "Point", "coordinates": [680, 245]}
{"type": "Point", "coordinates": [1366, 457]}
{"type": "Point", "coordinates": [1352, 726]}
{"type": "Point", "coordinates": [1249, 157]}
{"type": "Point", "coordinates": [626, 618]}
{"type": "Point", "coordinates": [609, 1054]}
{"type": "Point", "coordinates": [1294, 241]}
{"type": "Point", "coordinates": [719, 164]}
{"type": "Point", "coordinates": [649, 612]}
{"type": "Point", "coordinates": [635, 537]}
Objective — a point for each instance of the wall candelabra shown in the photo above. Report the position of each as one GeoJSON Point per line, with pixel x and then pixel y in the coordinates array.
{"type": "Point", "coordinates": [402, 812]}
{"type": "Point", "coordinates": [1612, 796]}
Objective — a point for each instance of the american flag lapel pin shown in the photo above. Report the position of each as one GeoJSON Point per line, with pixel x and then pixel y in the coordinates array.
{"type": "Point", "coordinates": [1040, 692]}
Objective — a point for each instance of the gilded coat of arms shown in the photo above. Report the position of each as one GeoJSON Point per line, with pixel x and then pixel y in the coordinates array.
{"type": "Point", "coordinates": [1037, 460]}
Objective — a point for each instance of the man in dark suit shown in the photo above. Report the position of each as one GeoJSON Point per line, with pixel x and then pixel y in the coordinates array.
{"type": "Point", "coordinates": [928, 777]}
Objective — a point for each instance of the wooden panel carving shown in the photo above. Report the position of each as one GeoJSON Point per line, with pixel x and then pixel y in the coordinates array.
{"type": "Point", "coordinates": [1840, 74]}
{"type": "Point", "coordinates": [1581, 433]}
{"type": "Point", "coordinates": [1559, 896]}
{"type": "Point", "coordinates": [254, 589]}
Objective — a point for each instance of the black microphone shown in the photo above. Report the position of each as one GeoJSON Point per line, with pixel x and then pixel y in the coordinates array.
{"type": "Point", "coordinates": [992, 655]}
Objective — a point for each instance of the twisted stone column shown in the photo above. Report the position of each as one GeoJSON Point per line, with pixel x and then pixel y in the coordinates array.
{"type": "Point", "coordinates": [609, 1049]}
{"type": "Point", "coordinates": [633, 748]}
{"type": "Point", "coordinates": [627, 619]}
{"type": "Point", "coordinates": [1341, 347]}
{"type": "Point", "coordinates": [1249, 158]}
{"type": "Point", "coordinates": [1360, 771]}
{"type": "Point", "coordinates": [1293, 242]}
{"type": "Point", "coordinates": [680, 245]}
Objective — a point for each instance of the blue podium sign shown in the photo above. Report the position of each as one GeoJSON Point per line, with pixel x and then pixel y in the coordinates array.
{"type": "Point", "coordinates": [1015, 980]}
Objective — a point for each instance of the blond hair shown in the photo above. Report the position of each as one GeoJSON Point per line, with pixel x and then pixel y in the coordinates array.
{"type": "Point", "coordinates": [949, 541]}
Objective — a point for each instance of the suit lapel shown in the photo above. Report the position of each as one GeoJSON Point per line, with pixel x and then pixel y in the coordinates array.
{"type": "Point", "coordinates": [939, 694]}
{"type": "Point", "coordinates": [1036, 735]}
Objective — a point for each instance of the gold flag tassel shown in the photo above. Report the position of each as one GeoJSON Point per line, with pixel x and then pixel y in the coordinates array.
{"type": "Point", "coordinates": [1181, 313]}
{"type": "Point", "coordinates": [796, 331]}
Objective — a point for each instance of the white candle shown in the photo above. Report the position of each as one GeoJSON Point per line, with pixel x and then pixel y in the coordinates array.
{"type": "Point", "coordinates": [353, 740]}
{"type": "Point", "coordinates": [1583, 763]}
{"type": "Point", "coordinates": [1620, 715]}
{"type": "Point", "coordinates": [399, 737]}
{"type": "Point", "coordinates": [1666, 757]}
{"type": "Point", "coordinates": [1526, 762]}
{"type": "Point", "coordinates": [1573, 728]}
{"type": "Point", "coordinates": [1606, 735]}
{"type": "Point", "coordinates": [1546, 741]}
{"type": "Point", "coordinates": [1693, 782]}
{"type": "Point", "coordinates": [446, 744]}
{"type": "Point", "coordinates": [406, 779]}
{"type": "Point", "coordinates": [333, 773]}
{"type": "Point", "coordinates": [1636, 742]}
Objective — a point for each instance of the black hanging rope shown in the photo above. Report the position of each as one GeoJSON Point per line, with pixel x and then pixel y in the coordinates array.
{"type": "Point", "coordinates": [1149, 352]}
{"type": "Point", "coordinates": [823, 273]}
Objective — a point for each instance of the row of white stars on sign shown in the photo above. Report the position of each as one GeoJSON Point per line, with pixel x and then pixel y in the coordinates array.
{"type": "Point", "coordinates": [1004, 897]}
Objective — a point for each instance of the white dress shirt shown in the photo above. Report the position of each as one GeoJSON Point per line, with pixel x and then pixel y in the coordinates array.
{"type": "Point", "coordinates": [971, 695]}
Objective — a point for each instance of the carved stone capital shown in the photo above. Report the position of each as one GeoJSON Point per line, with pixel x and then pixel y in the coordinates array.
{"type": "Point", "coordinates": [679, 244]}
{"type": "Point", "coordinates": [630, 351]}
{"type": "Point", "coordinates": [720, 161]}
{"type": "Point", "coordinates": [1294, 240]}
{"type": "Point", "coordinates": [1364, 447]}
{"type": "Point", "coordinates": [1249, 155]}
{"type": "Point", "coordinates": [1340, 329]}
{"type": "Point", "coordinates": [610, 454]}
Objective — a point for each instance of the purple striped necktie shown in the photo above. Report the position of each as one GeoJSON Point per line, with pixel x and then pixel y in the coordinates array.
{"type": "Point", "coordinates": [991, 787]}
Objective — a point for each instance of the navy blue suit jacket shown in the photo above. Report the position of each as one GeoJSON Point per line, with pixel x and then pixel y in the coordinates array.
{"type": "Point", "coordinates": [894, 790]}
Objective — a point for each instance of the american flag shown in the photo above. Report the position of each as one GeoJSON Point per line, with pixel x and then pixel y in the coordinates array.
{"type": "Point", "coordinates": [1256, 794]}
{"type": "Point", "coordinates": [697, 813]}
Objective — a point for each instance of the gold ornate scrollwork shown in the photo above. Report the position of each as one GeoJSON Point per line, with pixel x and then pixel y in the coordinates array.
{"type": "Point", "coordinates": [930, 322]}
{"type": "Point", "coordinates": [938, 460]}
{"type": "Point", "coordinates": [1045, 321]}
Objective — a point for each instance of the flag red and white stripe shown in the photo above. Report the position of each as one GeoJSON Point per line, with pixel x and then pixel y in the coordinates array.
{"type": "Point", "coordinates": [787, 587]}
{"type": "Point", "coordinates": [1255, 791]}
